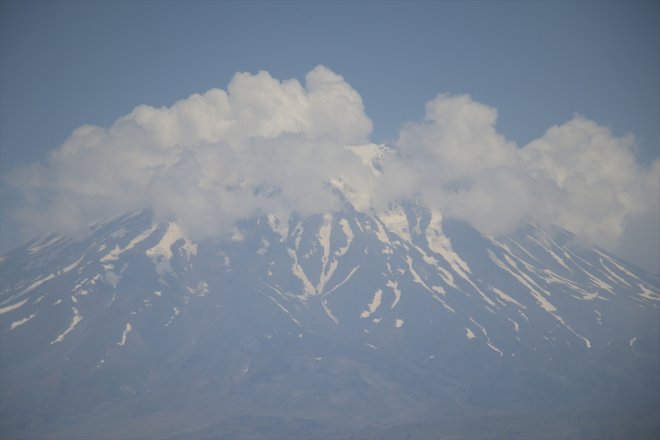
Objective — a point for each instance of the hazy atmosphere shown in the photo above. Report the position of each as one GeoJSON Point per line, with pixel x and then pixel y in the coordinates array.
{"type": "Point", "coordinates": [329, 220]}
{"type": "Point", "coordinates": [500, 111]}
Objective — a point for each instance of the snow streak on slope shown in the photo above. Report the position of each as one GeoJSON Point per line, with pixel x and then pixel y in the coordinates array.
{"type": "Point", "coordinates": [537, 292]}
{"type": "Point", "coordinates": [41, 246]}
{"type": "Point", "coordinates": [397, 293]}
{"type": "Point", "coordinates": [298, 272]}
{"type": "Point", "coordinates": [368, 154]}
{"type": "Point", "coordinates": [161, 254]}
{"type": "Point", "coordinates": [14, 306]}
{"type": "Point", "coordinates": [506, 297]}
{"type": "Point", "coordinates": [285, 310]}
{"type": "Point", "coordinates": [396, 221]}
{"type": "Point", "coordinates": [440, 244]}
{"type": "Point", "coordinates": [524, 280]}
{"type": "Point", "coordinates": [348, 232]}
{"type": "Point", "coordinates": [125, 333]}
{"type": "Point", "coordinates": [21, 321]}
{"type": "Point", "coordinates": [280, 227]}
{"type": "Point", "coordinates": [38, 283]}
{"type": "Point", "coordinates": [327, 270]}
{"type": "Point", "coordinates": [417, 279]}
{"type": "Point", "coordinates": [74, 322]}
{"type": "Point", "coordinates": [117, 251]}
{"type": "Point", "coordinates": [375, 303]}
{"type": "Point", "coordinates": [648, 293]}
{"type": "Point", "coordinates": [344, 281]}
{"type": "Point", "coordinates": [489, 343]}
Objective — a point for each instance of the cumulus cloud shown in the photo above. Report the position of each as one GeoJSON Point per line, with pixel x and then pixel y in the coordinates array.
{"type": "Point", "coordinates": [265, 145]}
{"type": "Point", "coordinates": [461, 165]}
{"type": "Point", "coordinates": [578, 175]}
{"type": "Point", "coordinates": [209, 160]}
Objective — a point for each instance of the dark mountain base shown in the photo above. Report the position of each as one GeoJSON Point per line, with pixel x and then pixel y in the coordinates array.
{"type": "Point", "coordinates": [466, 424]}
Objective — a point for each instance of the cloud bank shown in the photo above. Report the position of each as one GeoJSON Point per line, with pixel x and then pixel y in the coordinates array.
{"type": "Point", "coordinates": [265, 145]}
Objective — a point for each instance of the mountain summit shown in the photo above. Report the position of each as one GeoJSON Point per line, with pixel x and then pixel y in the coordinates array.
{"type": "Point", "coordinates": [350, 324]}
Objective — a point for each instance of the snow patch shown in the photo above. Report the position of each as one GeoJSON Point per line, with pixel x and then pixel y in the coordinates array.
{"type": "Point", "coordinates": [72, 266]}
{"type": "Point", "coordinates": [117, 251]}
{"type": "Point", "coordinates": [648, 293]}
{"type": "Point", "coordinates": [38, 283]}
{"type": "Point", "coordinates": [618, 266]}
{"type": "Point", "coordinates": [39, 247]}
{"type": "Point", "coordinates": [348, 232]}
{"type": "Point", "coordinates": [112, 255]}
{"type": "Point", "coordinates": [265, 244]}
{"type": "Point", "coordinates": [7, 309]}
{"type": "Point", "coordinates": [162, 252]}
{"type": "Point", "coordinates": [285, 310]}
{"type": "Point", "coordinates": [611, 275]}
{"type": "Point", "coordinates": [202, 289]}
{"type": "Point", "coordinates": [21, 322]}
{"type": "Point", "coordinates": [360, 201]}
{"type": "Point", "coordinates": [348, 277]}
{"type": "Point", "coordinates": [368, 154]}
{"type": "Point", "coordinates": [324, 240]}
{"type": "Point", "coordinates": [397, 293]}
{"type": "Point", "coordinates": [375, 303]}
{"type": "Point", "coordinates": [599, 317]}
{"type": "Point", "coordinates": [506, 297]}
{"type": "Point", "coordinates": [298, 272]}
{"type": "Point", "coordinates": [127, 330]}
{"type": "Point", "coordinates": [488, 341]}
{"type": "Point", "coordinates": [328, 311]}
{"type": "Point", "coordinates": [395, 221]}
{"type": "Point", "coordinates": [546, 247]}
{"type": "Point", "coordinates": [439, 243]}
{"type": "Point", "coordinates": [590, 296]}
{"type": "Point", "coordinates": [176, 313]}
{"type": "Point", "coordinates": [237, 235]}
{"type": "Point", "coordinates": [516, 327]}
{"type": "Point", "coordinates": [524, 280]}
{"type": "Point", "coordinates": [599, 283]}
{"type": "Point", "coordinates": [77, 317]}
{"type": "Point", "coordinates": [280, 227]}
{"type": "Point", "coordinates": [439, 290]}
{"type": "Point", "coordinates": [381, 235]}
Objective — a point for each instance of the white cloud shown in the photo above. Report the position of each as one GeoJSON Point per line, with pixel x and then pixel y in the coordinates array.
{"type": "Point", "coordinates": [577, 175]}
{"type": "Point", "coordinates": [208, 160]}
{"type": "Point", "coordinates": [462, 166]}
{"type": "Point", "coordinates": [265, 145]}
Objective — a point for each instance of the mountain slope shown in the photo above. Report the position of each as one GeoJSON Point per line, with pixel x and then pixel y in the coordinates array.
{"type": "Point", "coordinates": [337, 325]}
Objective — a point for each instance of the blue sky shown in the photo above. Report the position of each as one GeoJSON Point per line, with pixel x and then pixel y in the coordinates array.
{"type": "Point", "coordinates": [65, 64]}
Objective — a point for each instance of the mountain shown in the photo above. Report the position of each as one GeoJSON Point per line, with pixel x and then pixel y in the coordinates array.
{"type": "Point", "coordinates": [397, 324]}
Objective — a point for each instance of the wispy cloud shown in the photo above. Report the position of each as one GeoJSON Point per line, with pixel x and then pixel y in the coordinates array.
{"type": "Point", "coordinates": [265, 145]}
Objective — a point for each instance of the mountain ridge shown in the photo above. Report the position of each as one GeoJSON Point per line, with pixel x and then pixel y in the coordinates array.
{"type": "Point", "coordinates": [346, 321]}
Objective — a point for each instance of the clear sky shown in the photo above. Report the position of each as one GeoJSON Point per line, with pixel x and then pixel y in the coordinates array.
{"type": "Point", "coordinates": [64, 64]}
